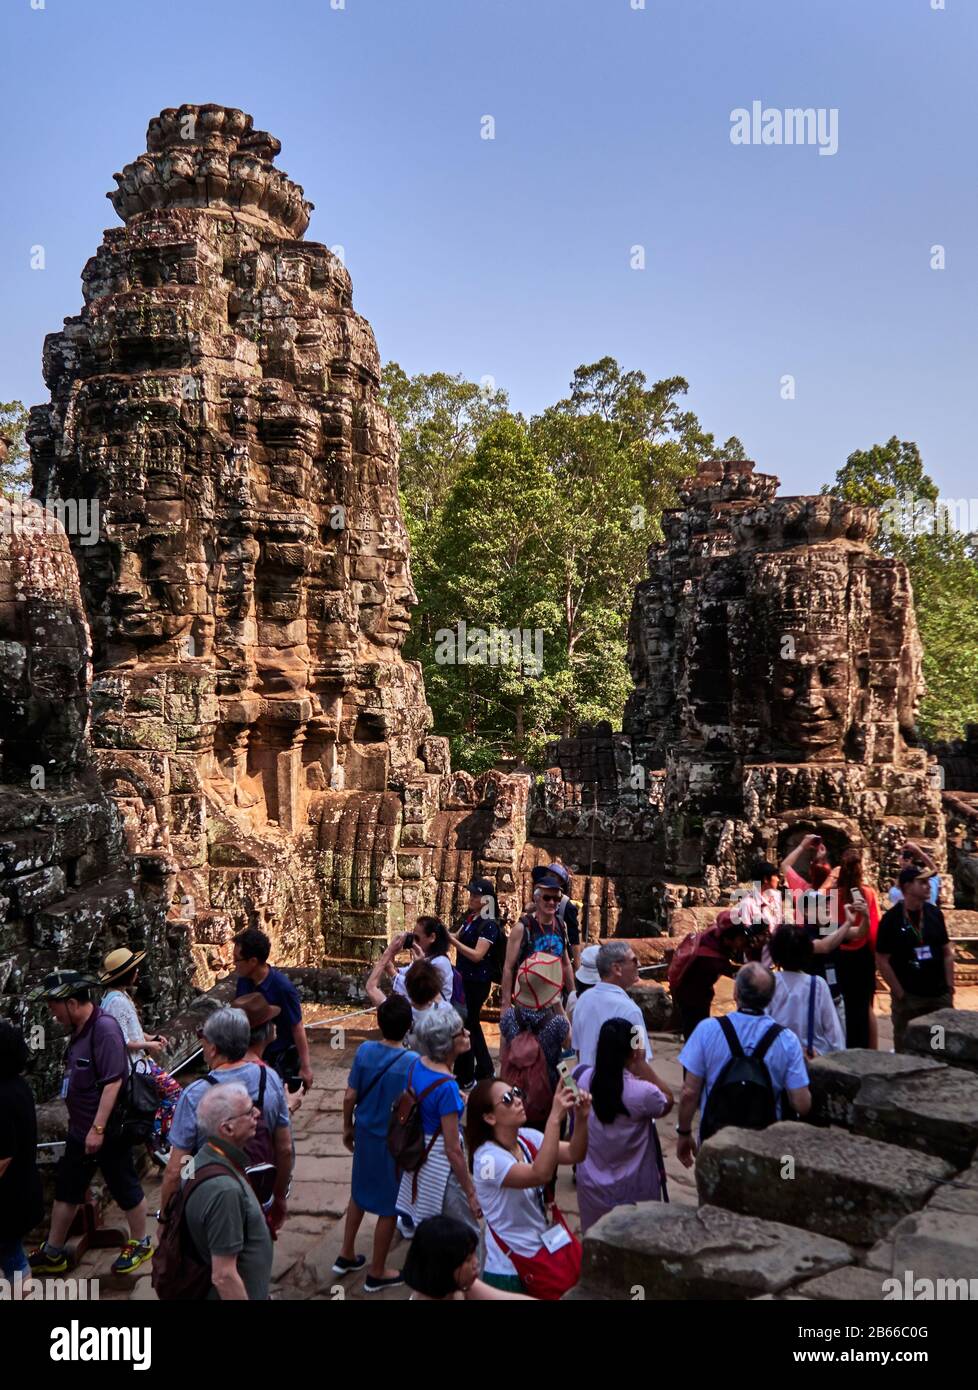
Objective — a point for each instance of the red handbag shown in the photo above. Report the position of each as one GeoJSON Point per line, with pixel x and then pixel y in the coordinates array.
{"type": "Point", "coordinates": [548, 1274]}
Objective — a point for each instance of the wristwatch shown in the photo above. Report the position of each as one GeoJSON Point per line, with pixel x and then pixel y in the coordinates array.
{"type": "Point", "coordinates": [99, 1129]}
{"type": "Point", "coordinates": [684, 1132]}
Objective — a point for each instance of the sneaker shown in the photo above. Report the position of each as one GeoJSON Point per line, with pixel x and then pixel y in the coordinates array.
{"type": "Point", "coordinates": [43, 1263]}
{"type": "Point", "coordinates": [405, 1227]}
{"type": "Point", "coordinates": [134, 1253]}
{"type": "Point", "coordinates": [372, 1285]}
{"type": "Point", "coordinates": [342, 1266]}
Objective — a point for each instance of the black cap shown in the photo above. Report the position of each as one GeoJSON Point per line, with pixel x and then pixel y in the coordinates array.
{"type": "Point", "coordinates": [482, 886]}
{"type": "Point", "coordinates": [911, 874]}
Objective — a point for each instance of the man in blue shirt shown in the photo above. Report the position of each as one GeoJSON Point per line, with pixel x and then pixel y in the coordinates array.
{"type": "Point", "coordinates": [251, 952]}
{"type": "Point", "coordinates": [707, 1052]}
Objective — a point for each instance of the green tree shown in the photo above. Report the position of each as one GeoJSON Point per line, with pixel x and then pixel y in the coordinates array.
{"type": "Point", "coordinates": [943, 566]}
{"type": "Point", "coordinates": [15, 468]}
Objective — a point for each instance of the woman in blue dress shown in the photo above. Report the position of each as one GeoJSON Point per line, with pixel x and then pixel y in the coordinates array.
{"type": "Point", "coordinates": [379, 1075]}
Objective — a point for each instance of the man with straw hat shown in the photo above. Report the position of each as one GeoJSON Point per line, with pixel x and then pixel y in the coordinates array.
{"type": "Point", "coordinates": [95, 1065]}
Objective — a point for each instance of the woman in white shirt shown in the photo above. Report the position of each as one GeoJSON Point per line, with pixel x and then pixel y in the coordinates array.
{"type": "Point", "coordinates": [512, 1165]}
{"type": "Point", "coordinates": [803, 1002]}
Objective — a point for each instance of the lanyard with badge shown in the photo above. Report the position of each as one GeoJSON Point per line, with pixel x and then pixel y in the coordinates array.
{"type": "Point", "coordinates": [921, 952]}
{"type": "Point", "coordinates": [556, 1235]}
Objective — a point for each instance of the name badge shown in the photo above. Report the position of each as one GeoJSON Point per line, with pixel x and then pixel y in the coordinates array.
{"type": "Point", "coordinates": [555, 1238]}
{"type": "Point", "coordinates": [830, 975]}
{"type": "Point", "coordinates": [64, 1088]}
{"type": "Point", "coordinates": [923, 953]}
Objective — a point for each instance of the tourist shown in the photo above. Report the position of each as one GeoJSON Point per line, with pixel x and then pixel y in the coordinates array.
{"type": "Point", "coordinates": [514, 1165]}
{"type": "Point", "coordinates": [428, 943]}
{"type": "Point", "coordinates": [617, 966]}
{"type": "Point", "coordinates": [21, 1201]}
{"type": "Point", "coordinates": [96, 1064]}
{"type": "Point", "coordinates": [289, 1052]}
{"type": "Point", "coordinates": [120, 975]}
{"type": "Point", "coordinates": [585, 977]}
{"type": "Point", "coordinates": [699, 962]}
{"type": "Point", "coordinates": [802, 1000]}
{"type": "Point", "coordinates": [534, 1032]}
{"type": "Point", "coordinates": [378, 1077]}
{"type": "Point", "coordinates": [914, 955]}
{"type": "Point", "coordinates": [443, 1264]}
{"type": "Point", "coordinates": [855, 905]}
{"type": "Point", "coordinates": [225, 1039]}
{"type": "Point", "coordinates": [819, 865]}
{"type": "Point", "coordinates": [567, 913]}
{"type": "Point", "coordinates": [707, 1052]}
{"type": "Point", "coordinates": [538, 931]}
{"type": "Point", "coordinates": [442, 1184]}
{"type": "Point", "coordinates": [624, 1161]}
{"type": "Point", "coordinates": [261, 1018]}
{"type": "Point", "coordinates": [761, 904]}
{"type": "Point", "coordinates": [476, 942]}
{"type": "Point", "coordinates": [914, 856]}
{"type": "Point", "coordinates": [224, 1218]}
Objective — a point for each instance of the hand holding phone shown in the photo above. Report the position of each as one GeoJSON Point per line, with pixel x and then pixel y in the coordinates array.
{"type": "Point", "coordinates": [566, 1076]}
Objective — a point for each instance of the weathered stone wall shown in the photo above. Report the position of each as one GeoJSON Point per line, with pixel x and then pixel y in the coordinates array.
{"type": "Point", "coordinates": [69, 891]}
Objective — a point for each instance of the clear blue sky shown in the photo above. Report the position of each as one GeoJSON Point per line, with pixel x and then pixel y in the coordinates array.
{"type": "Point", "coordinates": [511, 257]}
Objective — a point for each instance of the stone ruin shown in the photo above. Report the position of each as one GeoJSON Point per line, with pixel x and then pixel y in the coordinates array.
{"type": "Point", "coordinates": [255, 729]}
{"type": "Point", "coordinates": [885, 1179]}
{"type": "Point", "coordinates": [69, 891]}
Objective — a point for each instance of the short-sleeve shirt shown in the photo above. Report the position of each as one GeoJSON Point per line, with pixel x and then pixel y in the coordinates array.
{"type": "Point", "coordinates": [895, 894]}
{"type": "Point", "coordinates": [517, 1214]}
{"type": "Point", "coordinates": [384, 1070]}
{"type": "Point", "coordinates": [444, 967]}
{"type": "Point", "coordinates": [706, 1053]}
{"type": "Point", "coordinates": [21, 1202]}
{"type": "Point", "coordinates": [917, 957]}
{"type": "Point", "coordinates": [117, 1004]}
{"type": "Point", "coordinates": [443, 1100]}
{"type": "Point", "coordinates": [536, 939]}
{"type": "Point", "coordinates": [474, 929]}
{"type": "Point", "coordinates": [224, 1217]}
{"type": "Point", "coordinates": [604, 1001]}
{"type": "Point", "coordinates": [97, 1055]}
{"type": "Point", "coordinates": [277, 989]}
{"type": "Point", "coordinates": [183, 1131]}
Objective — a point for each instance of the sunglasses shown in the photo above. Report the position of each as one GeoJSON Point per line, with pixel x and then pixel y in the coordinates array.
{"type": "Point", "coordinates": [550, 897]}
{"type": "Point", "coordinates": [507, 1097]}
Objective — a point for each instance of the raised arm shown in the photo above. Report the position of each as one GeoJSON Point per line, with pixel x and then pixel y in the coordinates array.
{"type": "Point", "coordinates": [513, 944]}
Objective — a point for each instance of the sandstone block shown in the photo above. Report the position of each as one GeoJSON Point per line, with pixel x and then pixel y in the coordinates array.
{"type": "Point", "coordinates": [837, 1077]}
{"type": "Point", "coordinates": [825, 1180]}
{"type": "Point", "coordinates": [947, 1035]}
{"type": "Point", "coordinates": [934, 1112]}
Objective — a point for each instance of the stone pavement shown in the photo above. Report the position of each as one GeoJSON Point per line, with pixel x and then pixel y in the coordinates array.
{"type": "Point", "coordinates": [312, 1235]}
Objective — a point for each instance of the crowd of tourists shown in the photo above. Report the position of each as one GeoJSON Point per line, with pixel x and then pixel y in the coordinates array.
{"type": "Point", "coordinates": [459, 1156]}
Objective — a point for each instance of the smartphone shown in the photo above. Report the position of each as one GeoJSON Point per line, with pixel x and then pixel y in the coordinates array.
{"type": "Point", "coordinates": [858, 898]}
{"type": "Point", "coordinates": [564, 1071]}
{"type": "Point", "coordinates": [295, 1083]}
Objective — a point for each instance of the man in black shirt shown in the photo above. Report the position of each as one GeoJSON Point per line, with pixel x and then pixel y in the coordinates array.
{"type": "Point", "coordinates": [914, 955]}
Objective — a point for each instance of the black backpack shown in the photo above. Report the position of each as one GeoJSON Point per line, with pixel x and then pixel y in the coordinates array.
{"type": "Point", "coordinates": [134, 1113]}
{"type": "Point", "coordinates": [743, 1093]}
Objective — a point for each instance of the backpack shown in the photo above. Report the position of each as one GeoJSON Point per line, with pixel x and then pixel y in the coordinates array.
{"type": "Point", "coordinates": [743, 1093]}
{"type": "Point", "coordinates": [525, 1066]}
{"type": "Point", "coordinates": [405, 1134]}
{"type": "Point", "coordinates": [529, 946]}
{"type": "Point", "coordinates": [260, 1149]}
{"type": "Point", "coordinates": [178, 1271]}
{"type": "Point", "coordinates": [134, 1112]}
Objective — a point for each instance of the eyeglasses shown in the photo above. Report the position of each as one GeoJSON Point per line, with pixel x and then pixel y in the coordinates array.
{"type": "Point", "coordinates": [507, 1097]}
{"type": "Point", "coordinates": [242, 1114]}
{"type": "Point", "coordinates": [550, 897]}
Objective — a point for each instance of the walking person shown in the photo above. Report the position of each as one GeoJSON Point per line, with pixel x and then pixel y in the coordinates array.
{"type": "Point", "coordinates": [21, 1200]}
{"type": "Point", "coordinates": [378, 1076]}
{"type": "Point", "coordinates": [476, 943]}
{"type": "Point", "coordinates": [442, 1185]}
{"type": "Point", "coordinates": [514, 1166]}
{"type": "Point", "coordinates": [915, 957]}
{"type": "Point", "coordinates": [623, 1163]}
{"type": "Point", "coordinates": [288, 1053]}
{"type": "Point", "coordinates": [96, 1064]}
{"type": "Point", "coordinates": [120, 975]}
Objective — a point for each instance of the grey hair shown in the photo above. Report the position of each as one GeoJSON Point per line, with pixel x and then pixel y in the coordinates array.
{"type": "Point", "coordinates": [263, 1033]}
{"type": "Point", "coordinates": [229, 1031]}
{"type": "Point", "coordinates": [433, 1032]}
{"type": "Point", "coordinates": [609, 956]}
{"type": "Point", "coordinates": [753, 986]}
{"type": "Point", "coordinates": [220, 1104]}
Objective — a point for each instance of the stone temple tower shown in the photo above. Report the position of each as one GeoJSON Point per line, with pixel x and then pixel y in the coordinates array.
{"type": "Point", "coordinates": [249, 589]}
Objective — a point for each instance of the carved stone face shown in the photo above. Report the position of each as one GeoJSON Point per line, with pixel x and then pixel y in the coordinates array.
{"type": "Point", "coordinates": [810, 698]}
